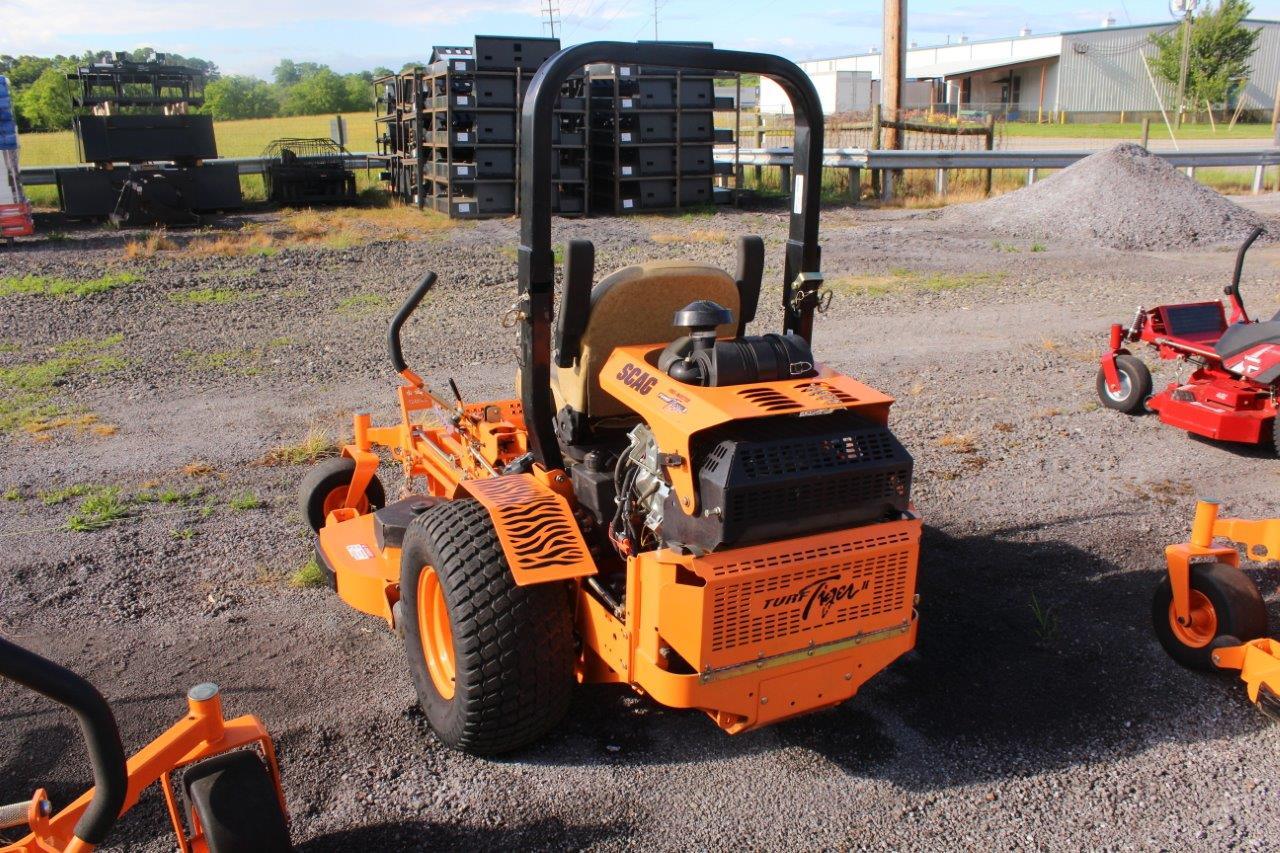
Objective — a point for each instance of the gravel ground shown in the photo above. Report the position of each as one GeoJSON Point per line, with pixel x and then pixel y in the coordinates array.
{"type": "Point", "coordinates": [1001, 731]}
{"type": "Point", "coordinates": [1121, 198]}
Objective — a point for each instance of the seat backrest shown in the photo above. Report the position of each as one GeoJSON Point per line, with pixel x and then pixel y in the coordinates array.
{"type": "Point", "coordinates": [636, 305]}
{"type": "Point", "coordinates": [1198, 322]}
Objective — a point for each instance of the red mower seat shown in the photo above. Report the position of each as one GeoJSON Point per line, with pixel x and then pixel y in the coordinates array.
{"type": "Point", "coordinates": [1197, 323]}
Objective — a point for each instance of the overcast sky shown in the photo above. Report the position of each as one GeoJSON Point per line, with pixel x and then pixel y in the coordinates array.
{"type": "Point", "coordinates": [249, 36]}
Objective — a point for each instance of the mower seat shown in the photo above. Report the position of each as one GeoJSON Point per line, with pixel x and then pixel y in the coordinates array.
{"type": "Point", "coordinates": [635, 305]}
{"type": "Point", "coordinates": [1242, 337]}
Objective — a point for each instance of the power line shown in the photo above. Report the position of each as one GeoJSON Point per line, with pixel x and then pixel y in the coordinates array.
{"type": "Point", "coordinates": [552, 10]}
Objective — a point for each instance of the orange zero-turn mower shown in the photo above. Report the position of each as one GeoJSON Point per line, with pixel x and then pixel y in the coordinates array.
{"type": "Point", "coordinates": [712, 518]}
{"type": "Point", "coordinates": [1209, 615]}
{"type": "Point", "coordinates": [219, 776]}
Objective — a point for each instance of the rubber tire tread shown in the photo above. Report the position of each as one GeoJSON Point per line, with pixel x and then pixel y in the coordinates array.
{"type": "Point", "coordinates": [1239, 607]}
{"type": "Point", "coordinates": [1139, 385]}
{"type": "Point", "coordinates": [513, 645]}
{"type": "Point", "coordinates": [235, 799]}
{"type": "Point", "coordinates": [326, 476]}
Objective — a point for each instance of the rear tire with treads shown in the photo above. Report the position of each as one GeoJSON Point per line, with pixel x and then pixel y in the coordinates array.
{"type": "Point", "coordinates": [510, 654]}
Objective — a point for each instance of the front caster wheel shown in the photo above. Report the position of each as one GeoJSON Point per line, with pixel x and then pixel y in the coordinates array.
{"type": "Point", "coordinates": [325, 488]}
{"type": "Point", "coordinates": [1224, 603]}
{"type": "Point", "coordinates": [1135, 386]}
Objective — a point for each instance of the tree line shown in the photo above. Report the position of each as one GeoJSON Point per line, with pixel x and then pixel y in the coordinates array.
{"type": "Point", "coordinates": [42, 92]}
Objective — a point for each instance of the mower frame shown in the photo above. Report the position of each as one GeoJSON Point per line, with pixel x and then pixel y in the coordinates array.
{"type": "Point", "coordinates": [118, 783]}
{"type": "Point", "coordinates": [801, 278]}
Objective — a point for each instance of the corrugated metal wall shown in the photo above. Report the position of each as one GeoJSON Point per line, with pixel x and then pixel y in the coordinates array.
{"type": "Point", "coordinates": [1102, 70]}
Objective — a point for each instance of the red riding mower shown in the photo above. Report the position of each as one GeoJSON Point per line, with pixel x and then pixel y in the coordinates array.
{"type": "Point", "coordinates": [219, 776]}
{"type": "Point", "coordinates": [1231, 395]}
{"type": "Point", "coordinates": [1209, 615]}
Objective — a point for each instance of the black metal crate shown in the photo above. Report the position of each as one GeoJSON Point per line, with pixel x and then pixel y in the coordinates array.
{"type": "Point", "coordinates": [507, 53]}
{"type": "Point", "coordinates": [697, 127]}
{"type": "Point", "coordinates": [697, 159]}
{"type": "Point", "coordinates": [697, 93]}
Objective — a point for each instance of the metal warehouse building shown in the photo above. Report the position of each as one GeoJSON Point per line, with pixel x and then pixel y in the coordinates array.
{"type": "Point", "coordinates": [1091, 75]}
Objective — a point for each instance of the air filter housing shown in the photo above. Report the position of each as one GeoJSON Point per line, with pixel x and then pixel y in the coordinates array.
{"type": "Point", "coordinates": [787, 476]}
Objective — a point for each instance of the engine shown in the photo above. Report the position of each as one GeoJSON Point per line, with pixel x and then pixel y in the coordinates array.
{"type": "Point", "coordinates": [764, 479]}
{"type": "Point", "coordinates": [757, 478]}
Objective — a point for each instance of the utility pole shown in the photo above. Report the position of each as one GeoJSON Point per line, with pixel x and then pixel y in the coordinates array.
{"type": "Point", "coordinates": [655, 20]}
{"type": "Point", "coordinates": [893, 68]}
{"type": "Point", "coordinates": [1188, 8]}
{"type": "Point", "coordinates": [552, 11]}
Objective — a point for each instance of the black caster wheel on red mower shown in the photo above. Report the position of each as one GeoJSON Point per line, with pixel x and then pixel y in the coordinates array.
{"type": "Point", "coordinates": [234, 798]}
{"type": "Point", "coordinates": [1225, 603]}
{"type": "Point", "coordinates": [492, 662]}
{"type": "Point", "coordinates": [325, 488]}
{"type": "Point", "coordinates": [1135, 386]}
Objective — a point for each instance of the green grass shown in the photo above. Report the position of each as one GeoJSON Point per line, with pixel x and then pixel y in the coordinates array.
{"type": "Point", "coordinates": [12, 494]}
{"type": "Point", "coordinates": [102, 508]}
{"type": "Point", "coordinates": [242, 362]}
{"type": "Point", "coordinates": [901, 280]}
{"type": "Point", "coordinates": [316, 446]}
{"type": "Point", "coordinates": [39, 285]}
{"type": "Point", "coordinates": [1133, 130]}
{"type": "Point", "coordinates": [27, 389]}
{"type": "Point", "coordinates": [309, 576]}
{"type": "Point", "coordinates": [363, 303]}
{"type": "Point", "coordinates": [208, 296]}
{"type": "Point", "coordinates": [63, 495]}
{"type": "Point", "coordinates": [246, 501]}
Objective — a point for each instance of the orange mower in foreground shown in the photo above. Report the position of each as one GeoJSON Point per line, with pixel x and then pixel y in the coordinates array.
{"type": "Point", "coordinates": [712, 518]}
{"type": "Point", "coordinates": [220, 779]}
{"type": "Point", "coordinates": [1209, 615]}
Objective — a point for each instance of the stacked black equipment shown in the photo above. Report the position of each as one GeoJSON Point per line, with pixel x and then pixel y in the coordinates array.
{"type": "Point", "coordinates": [450, 131]}
{"type": "Point", "coordinates": [653, 137]}
{"type": "Point", "coordinates": [149, 153]}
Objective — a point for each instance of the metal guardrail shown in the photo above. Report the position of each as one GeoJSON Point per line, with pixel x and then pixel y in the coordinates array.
{"type": "Point", "coordinates": [37, 176]}
{"type": "Point", "coordinates": [862, 158]}
{"type": "Point", "coordinates": [836, 158]}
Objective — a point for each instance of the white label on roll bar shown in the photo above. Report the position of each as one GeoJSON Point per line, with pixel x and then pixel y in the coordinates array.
{"type": "Point", "coordinates": [798, 195]}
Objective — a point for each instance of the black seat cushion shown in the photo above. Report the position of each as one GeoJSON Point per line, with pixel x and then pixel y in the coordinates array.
{"type": "Point", "coordinates": [1240, 337]}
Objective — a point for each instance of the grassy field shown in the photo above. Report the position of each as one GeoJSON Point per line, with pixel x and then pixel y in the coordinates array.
{"type": "Point", "coordinates": [235, 138]}
{"type": "Point", "coordinates": [1133, 130]}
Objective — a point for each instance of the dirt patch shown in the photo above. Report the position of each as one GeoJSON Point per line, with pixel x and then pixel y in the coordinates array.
{"type": "Point", "coordinates": [1121, 198]}
{"type": "Point", "coordinates": [1037, 712]}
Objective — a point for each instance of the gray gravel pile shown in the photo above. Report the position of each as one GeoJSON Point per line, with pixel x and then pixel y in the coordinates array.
{"type": "Point", "coordinates": [1122, 198]}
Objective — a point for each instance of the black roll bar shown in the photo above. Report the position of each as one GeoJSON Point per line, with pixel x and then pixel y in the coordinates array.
{"type": "Point", "coordinates": [1233, 290]}
{"type": "Point", "coordinates": [801, 276]}
{"type": "Point", "coordinates": [98, 724]}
